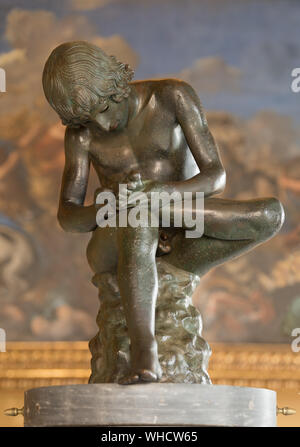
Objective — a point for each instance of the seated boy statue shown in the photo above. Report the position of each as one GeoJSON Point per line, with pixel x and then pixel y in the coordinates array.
{"type": "Point", "coordinates": [153, 136]}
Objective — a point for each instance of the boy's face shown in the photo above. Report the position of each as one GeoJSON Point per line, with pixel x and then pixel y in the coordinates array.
{"type": "Point", "coordinates": [110, 117]}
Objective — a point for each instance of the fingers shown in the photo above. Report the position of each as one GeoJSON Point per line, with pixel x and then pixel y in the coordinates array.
{"type": "Point", "coordinates": [134, 181]}
{"type": "Point", "coordinates": [129, 199]}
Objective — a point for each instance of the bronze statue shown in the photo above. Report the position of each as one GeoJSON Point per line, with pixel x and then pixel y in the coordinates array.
{"type": "Point", "coordinates": [153, 136]}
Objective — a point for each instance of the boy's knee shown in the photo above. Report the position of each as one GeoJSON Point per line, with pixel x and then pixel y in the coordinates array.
{"type": "Point", "coordinates": [272, 218]}
{"type": "Point", "coordinates": [138, 242]}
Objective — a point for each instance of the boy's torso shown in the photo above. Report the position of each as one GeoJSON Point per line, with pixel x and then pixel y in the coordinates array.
{"type": "Point", "coordinates": [153, 143]}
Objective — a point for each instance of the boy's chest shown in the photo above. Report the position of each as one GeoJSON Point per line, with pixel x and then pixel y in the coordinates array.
{"type": "Point", "coordinates": [146, 141]}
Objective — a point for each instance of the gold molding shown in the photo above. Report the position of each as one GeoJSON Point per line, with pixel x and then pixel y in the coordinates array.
{"type": "Point", "coordinates": [273, 366]}
{"type": "Point", "coordinates": [31, 364]}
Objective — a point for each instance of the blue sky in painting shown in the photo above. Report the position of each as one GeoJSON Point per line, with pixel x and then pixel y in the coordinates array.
{"type": "Point", "coordinates": [261, 38]}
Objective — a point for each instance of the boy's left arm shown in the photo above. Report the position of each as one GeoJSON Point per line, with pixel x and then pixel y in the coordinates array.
{"type": "Point", "coordinates": [189, 114]}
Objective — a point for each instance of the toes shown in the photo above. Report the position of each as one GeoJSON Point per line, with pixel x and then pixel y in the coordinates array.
{"type": "Point", "coordinates": [143, 375]}
{"type": "Point", "coordinates": [129, 380]}
{"type": "Point", "coordinates": [148, 376]}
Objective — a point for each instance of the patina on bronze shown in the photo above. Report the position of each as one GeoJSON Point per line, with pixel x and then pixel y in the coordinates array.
{"type": "Point", "coordinates": [153, 136]}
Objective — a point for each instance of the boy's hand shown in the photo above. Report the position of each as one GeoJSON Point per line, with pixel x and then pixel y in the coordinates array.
{"type": "Point", "coordinates": [138, 192]}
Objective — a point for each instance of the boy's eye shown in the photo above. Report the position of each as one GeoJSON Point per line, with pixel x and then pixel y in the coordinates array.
{"type": "Point", "coordinates": [104, 110]}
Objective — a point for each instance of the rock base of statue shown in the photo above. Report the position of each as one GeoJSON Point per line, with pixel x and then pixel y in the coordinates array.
{"type": "Point", "coordinates": [153, 404]}
{"type": "Point", "coordinates": [183, 353]}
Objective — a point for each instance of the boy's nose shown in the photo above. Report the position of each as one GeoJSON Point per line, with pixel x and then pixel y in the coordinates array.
{"type": "Point", "coordinates": [103, 123]}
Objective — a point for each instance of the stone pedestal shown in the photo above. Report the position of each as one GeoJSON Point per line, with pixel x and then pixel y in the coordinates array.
{"type": "Point", "coordinates": [155, 404]}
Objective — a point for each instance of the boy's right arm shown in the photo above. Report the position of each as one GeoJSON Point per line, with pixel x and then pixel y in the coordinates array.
{"type": "Point", "coordinates": [72, 215]}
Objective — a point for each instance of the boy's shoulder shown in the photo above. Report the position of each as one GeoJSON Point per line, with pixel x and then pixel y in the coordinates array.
{"type": "Point", "coordinates": [167, 89]}
{"type": "Point", "coordinates": [162, 84]}
{"type": "Point", "coordinates": [77, 137]}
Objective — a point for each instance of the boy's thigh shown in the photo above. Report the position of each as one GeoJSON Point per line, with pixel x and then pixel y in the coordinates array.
{"type": "Point", "coordinates": [199, 255]}
{"type": "Point", "coordinates": [102, 250]}
{"type": "Point", "coordinates": [105, 243]}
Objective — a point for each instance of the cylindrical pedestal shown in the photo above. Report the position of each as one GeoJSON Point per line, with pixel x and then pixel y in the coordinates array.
{"type": "Point", "coordinates": [164, 404]}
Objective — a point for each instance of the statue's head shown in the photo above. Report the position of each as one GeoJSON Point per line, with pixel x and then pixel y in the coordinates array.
{"type": "Point", "coordinates": [84, 85]}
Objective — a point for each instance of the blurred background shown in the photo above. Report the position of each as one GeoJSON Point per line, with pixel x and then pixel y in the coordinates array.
{"type": "Point", "coordinates": [239, 57]}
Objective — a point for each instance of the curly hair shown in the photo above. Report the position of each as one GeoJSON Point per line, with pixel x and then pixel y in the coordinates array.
{"type": "Point", "coordinates": [78, 76]}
